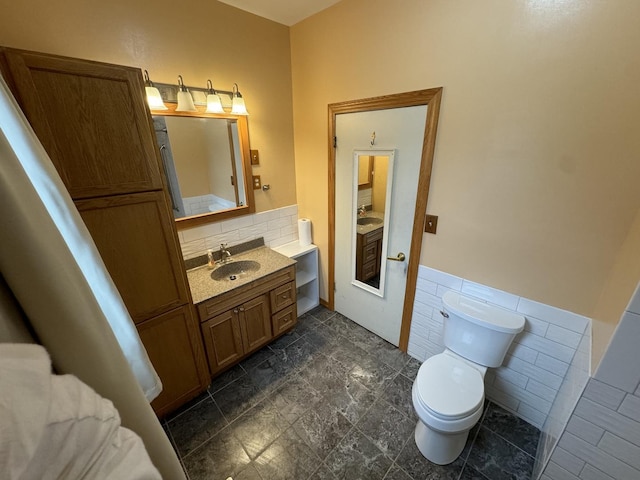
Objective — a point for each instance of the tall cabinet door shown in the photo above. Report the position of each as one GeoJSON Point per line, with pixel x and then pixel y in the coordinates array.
{"type": "Point", "coordinates": [132, 233]}
{"type": "Point", "coordinates": [91, 119]}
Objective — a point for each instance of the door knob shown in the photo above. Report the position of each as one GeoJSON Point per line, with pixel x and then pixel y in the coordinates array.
{"type": "Point", "coordinates": [399, 258]}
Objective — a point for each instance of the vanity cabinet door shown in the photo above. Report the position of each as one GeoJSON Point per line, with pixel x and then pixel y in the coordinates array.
{"type": "Point", "coordinates": [91, 119]}
{"type": "Point", "coordinates": [237, 332]}
{"type": "Point", "coordinates": [255, 320]}
{"type": "Point", "coordinates": [174, 347]}
{"type": "Point", "coordinates": [133, 236]}
{"type": "Point", "coordinates": [223, 340]}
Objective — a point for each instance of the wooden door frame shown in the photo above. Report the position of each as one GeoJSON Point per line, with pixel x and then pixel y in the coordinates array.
{"type": "Point", "coordinates": [430, 97]}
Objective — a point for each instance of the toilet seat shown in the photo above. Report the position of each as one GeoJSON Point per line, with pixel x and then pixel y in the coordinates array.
{"type": "Point", "coordinates": [449, 388]}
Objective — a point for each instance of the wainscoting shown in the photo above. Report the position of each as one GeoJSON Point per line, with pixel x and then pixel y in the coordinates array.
{"type": "Point", "coordinates": [278, 226]}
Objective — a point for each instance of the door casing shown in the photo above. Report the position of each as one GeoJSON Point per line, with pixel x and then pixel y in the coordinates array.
{"type": "Point", "coordinates": [430, 97]}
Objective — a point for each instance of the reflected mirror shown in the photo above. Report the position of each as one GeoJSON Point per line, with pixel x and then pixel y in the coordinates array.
{"type": "Point", "coordinates": [206, 163]}
{"type": "Point", "coordinates": [373, 175]}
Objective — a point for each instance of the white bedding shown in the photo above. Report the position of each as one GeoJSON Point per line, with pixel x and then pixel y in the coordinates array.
{"type": "Point", "coordinates": [56, 427]}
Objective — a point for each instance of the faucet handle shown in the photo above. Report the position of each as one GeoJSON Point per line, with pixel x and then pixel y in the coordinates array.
{"type": "Point", "coordinates": [223, 246]}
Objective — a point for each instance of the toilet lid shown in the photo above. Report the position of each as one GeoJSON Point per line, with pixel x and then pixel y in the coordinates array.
{"type": "Point", "coordinates": [449, 387]}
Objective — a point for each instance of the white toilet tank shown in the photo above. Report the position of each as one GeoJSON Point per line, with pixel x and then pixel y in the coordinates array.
{"type": "Point", "coordinates": [478, 331]}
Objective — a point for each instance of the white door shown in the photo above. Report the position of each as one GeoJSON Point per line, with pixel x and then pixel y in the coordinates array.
{"type": "Point", "coordinates": [397, 130]}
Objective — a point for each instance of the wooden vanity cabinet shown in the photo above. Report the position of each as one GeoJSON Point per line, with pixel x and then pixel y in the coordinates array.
{"type": "Point", "coordinates": [237, 323]}
{"type": "Point", "coordinates": [368, 250]}
{"type": "Point", "coordinates": [93, 121]}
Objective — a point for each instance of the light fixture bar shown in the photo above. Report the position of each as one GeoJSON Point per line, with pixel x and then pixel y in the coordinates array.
{"type": "Point", "coordinates": [169, 92]}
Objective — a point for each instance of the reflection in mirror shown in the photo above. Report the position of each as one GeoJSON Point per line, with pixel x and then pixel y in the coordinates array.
{"type": "Point", "coordinates": [373, 172]}
{"type": "Point", "coordinates": [365, 172]}
{"type": "Point", "coordinates": [206, 163]}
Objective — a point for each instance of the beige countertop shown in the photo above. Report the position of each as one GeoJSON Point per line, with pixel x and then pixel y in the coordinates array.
{"type": "Point", "coordinates": [364, 229]}
{"type": "Point", "coordinates": [203, 287]}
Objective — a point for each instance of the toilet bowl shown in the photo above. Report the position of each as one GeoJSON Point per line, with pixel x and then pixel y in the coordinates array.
{"type": "Point", "coordinates": [448, 393]}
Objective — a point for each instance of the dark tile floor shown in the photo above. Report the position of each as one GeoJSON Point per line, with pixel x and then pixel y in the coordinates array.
{"type": "Point", "coordinates": [332, 401]}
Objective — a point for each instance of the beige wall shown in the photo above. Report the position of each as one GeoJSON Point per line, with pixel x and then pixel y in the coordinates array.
{"type": "Point", "coordinates": [379, 191]}
{"type": "Point", "coordinates": [536, 169]}
{"type": "Point", "coordinates": [198, 39]}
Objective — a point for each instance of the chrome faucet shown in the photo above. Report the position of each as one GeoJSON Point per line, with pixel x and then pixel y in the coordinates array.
{"type": "Point", "coordinates": [362, 211]}
{"type": "Point", "coordinates": [225, 255]}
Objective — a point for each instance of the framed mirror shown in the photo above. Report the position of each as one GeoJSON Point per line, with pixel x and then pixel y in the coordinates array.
{"type": "Point", "coordinates": [373, 183]}
{"type": "Point", "coordinates": [207, 165]}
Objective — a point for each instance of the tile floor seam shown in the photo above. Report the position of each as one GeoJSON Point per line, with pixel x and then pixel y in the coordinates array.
{"type": "Point", "coordinates": [338, 444]}
{"type": "Point", "coordinates": [320, 459]}
{"type": "Point", "coordinates": [508, 441]}
{"type": "Point", "coordinates": [473, 441]}
{"type": "Point", "coordinates": [192, 451]}
{"type": "Point", "coordinates": [212, 393]}
{"type": "Point", "coordinates": [185, 411]}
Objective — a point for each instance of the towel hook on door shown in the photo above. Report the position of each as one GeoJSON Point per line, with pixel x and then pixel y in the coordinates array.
{"type": "Point", "coordinates": [373, 138]}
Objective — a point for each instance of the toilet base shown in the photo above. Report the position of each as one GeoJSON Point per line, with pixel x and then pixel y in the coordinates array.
{"type": "Point", "coordinates": [438, 447]}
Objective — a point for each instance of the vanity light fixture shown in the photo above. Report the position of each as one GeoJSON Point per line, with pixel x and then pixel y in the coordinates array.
{"type": "Point", "coordinates": [153, 94]}
{"type": "Point", "coordinates": [214, 105]}
{"type": "Point", "coordinates": [238, 107]}
{"type": "Point", "coordinates": [190, 98]}
{"type": "Point", "coordinates": [185, 100]}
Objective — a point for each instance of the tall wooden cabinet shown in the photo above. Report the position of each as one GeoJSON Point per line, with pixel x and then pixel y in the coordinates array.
{"type": "Point", "coordinates": [93, 122]}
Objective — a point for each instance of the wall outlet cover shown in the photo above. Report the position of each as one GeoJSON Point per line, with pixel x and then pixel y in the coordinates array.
{"type": "Point", "coordinates": [431, 224]}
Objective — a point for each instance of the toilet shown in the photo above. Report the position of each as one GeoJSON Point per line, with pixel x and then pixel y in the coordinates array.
{"type": "Point", "coordinates": [448, 393]}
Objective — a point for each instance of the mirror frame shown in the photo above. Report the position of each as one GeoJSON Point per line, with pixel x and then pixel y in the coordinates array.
{"type": "Point", "coordinates": [391, 154]}
{"type": "Point", "coordinates": [247, 170]}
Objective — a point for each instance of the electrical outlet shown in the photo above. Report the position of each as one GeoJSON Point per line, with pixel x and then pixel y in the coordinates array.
{"type": "Point", "coordinates": [257, 185]}
{"type": "Point", "coordinates": [255, 157]}
{"type": "Point", "coordinates": [431, 224]}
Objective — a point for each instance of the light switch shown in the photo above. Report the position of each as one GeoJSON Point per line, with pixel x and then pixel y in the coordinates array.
{"type": "Point", "coordinates": [255, 157]}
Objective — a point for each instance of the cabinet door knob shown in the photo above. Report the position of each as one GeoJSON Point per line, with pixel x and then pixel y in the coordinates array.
{"type": "Point", "coordinates": [242, 309]}
{"type": "Point", "coordinates": [235, 310]}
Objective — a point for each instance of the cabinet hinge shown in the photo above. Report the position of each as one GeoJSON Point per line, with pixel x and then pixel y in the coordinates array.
{"type": "Point", "coordinates": [335, 142]}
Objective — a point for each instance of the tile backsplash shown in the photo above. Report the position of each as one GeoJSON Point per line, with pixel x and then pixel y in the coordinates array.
{"type": "Point", "coordinates": [537, 362]}
{"type": "Point", "coordinates": [277, 227]}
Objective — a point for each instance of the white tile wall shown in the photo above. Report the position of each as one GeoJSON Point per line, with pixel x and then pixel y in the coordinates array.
{"type": "Point", "coordinates": [574, 380]}
{"type": "Point", "coordinates": [200, 204]}
{"type": "Point", "coordinates": [602, 438]}
{"type": "Point", "coordinates": [537, 362]}
{"type": "Point", "coordinates": [619, 366]}
{"type": "Point", "coordinates": [278, 226]}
